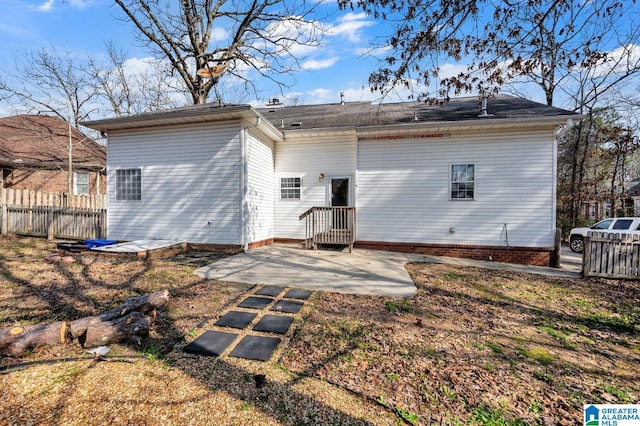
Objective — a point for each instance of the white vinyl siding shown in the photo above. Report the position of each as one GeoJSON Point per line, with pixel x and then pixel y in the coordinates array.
{"type": "Point", "coordinates": [404, 190]}
{"type": "Point", "coordinates": [260, 190]}
{"type": "Point", "coordinates": [307, 159]}
{"type": "Point", "coordinates": [190, 183]}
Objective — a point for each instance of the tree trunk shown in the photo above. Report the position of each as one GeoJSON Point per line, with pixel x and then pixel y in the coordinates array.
{"type": "Point", "coordinates": [17, 340]}
{"type": "Point", "coordinates": [127, 322]}
{"type": "Point", "coordinates": [131, 327]}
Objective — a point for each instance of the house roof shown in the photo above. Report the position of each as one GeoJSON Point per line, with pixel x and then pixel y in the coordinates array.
{"type": "Point", "coordinates": [356, 115]}
{"type": "Point", "coordinates": [43, 141]}
{"type": "Point", "coordinates": [365, 114]}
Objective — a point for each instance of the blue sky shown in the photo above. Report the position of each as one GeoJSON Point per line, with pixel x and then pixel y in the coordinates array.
{"type": "Point", "coordinates": [83, 26]}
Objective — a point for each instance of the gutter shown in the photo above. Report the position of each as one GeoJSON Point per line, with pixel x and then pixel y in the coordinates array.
{"type": "Point", "coordinates": [546, 122]}
{"type": "Point", "coordinates": [50, 165]}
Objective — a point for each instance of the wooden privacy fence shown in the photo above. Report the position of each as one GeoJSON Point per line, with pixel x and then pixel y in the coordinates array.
{"type": "Point", "coordinates": [52, 215]}
{"type": "Point", "coordinates": [30, 198]}
{"type": "Point", "coordinates": [611, 255]}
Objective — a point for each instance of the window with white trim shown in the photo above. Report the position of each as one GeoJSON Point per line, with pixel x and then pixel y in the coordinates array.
{"type": "Point", "coordinates": [463, 181]}
{"type": "Point", "coordinates": [290, 188]}
{"type": "Point", "coordinates": [129, 184]}
{"type": "Point", "coordinates": [81, 183]}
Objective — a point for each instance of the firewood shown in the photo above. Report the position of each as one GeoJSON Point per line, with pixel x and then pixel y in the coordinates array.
{"type": "Point", "coordinates": [143, 304]}
{"type": "Point", "coordinates": [17, 340]}
{"type": "Point", "coordinates": [131, 327]}
{"type": "Point", "coordinates": [127, 322]}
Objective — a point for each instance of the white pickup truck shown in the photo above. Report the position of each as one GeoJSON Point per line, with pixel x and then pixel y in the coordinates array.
{"type": "Point", "coordinates": [621, 225]}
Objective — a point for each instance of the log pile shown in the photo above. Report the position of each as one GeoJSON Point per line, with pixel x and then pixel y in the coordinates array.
{"type": "Point", "coordinates": [128, 322]}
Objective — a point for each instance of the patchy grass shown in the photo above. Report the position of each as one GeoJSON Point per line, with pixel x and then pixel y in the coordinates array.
{"type": "Point", "coordinates": [482, 347]}
{"type": "Point", "coordinates": [473, 347]}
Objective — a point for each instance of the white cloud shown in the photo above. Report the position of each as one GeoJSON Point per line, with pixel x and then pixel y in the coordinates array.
{"type": "Point", "coordinates": [350, 25]}
{"type": "Point", "coordinates": [618, 61]}
{"type": "Point", "coordinates": [219, 34]}
{"type": "Point", "coordinates": [324, 96]}
{"type": "Point", "coordinates": [320, 96]}
{"type": "Point", "coordinates": [47, 6]}
{"type": "Point", "coordinates": [314, 64]}
{"type": "Point", "coordinates": [295, 36]}
{"type": "Point", "coordinates": [451, 69]}
{"type": "Point", "coordinates": [78, 4]}
{"type": "Point", "coordinates": [139, 66]}
{"type": "Point", "coordinates": [377, 52]}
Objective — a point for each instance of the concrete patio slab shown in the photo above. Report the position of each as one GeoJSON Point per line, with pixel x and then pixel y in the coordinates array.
{"type": "Point", "coordinates": [371, 272]}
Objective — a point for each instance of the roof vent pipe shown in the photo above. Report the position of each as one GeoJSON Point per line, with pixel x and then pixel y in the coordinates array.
{"type": "Point", "coordinates": [483, 108]}
{"type": "Point", "coordinates": [341, 98]}
{"type": "Point", "coordinates": [282, 124]}
{"type": "Point", "coordinates": [415, 115]}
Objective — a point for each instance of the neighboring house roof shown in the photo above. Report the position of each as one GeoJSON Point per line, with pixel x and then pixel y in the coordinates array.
{"type": "Point", "coordinates": [501, 110]}
{"type": "Point", "coordinates": [634, 191]}
{"type": "Point", "coordinates": [43, 142]}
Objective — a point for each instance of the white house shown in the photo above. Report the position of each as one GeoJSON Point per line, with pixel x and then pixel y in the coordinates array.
{"type": "Point", "coordinates": [449, 179]}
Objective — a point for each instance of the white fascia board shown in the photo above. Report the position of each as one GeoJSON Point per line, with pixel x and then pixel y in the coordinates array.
{"type": "Point", "coordinates": [551, 122]}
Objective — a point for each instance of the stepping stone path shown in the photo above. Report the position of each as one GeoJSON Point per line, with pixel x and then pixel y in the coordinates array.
{"type": "Point", "coordinates": [257, 315]}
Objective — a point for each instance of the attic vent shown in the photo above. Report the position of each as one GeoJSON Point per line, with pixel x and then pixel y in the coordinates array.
{"type": "Point", "coordinates": [296, 124]}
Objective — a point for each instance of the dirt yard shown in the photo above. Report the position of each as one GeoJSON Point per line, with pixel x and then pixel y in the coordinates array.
{"type": "Point", "coordinates": [472, 347]}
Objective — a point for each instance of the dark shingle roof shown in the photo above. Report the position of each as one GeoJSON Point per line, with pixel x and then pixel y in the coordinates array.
{"type": "Point", "coordinates": [364, 114]}
{"type": "Point", "coordinates": [43, 140]}
{"type": "Point", "coordinates": [347, 115]}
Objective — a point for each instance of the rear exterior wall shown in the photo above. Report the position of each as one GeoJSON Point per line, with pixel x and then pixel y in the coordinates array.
{"type": "Point", "coordinates": [191, 184]}
{"type": "Point", "coordinates": [401, 187]}
{"type": "Point", "coordinates": [316, 161]}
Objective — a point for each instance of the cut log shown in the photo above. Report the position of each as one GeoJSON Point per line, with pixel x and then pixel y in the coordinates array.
{"type": "Point", "coordinates": [131, 327]}
{"type": "Point", "coordinates": [18, 340]}
{"type": "Point", "coordinates": [143, 304]}
{"type": "Point", "coordinates": [127, 322]}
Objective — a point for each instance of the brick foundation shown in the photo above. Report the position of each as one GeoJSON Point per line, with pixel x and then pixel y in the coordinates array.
{"type": "Point", "coordinates": [218, 248]}
{"type": "Point", "coordinates": [538, 256]}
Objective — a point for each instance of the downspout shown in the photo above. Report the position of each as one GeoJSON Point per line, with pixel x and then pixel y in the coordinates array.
{"type": "Point", "coordinates": [554, 198]}
{"type": "Point", "coordinates": [243, 189]}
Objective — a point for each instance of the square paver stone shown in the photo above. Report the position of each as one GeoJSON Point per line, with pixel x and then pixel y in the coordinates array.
{"type": "Point", "coordinates": [255, 302]}
{"type": "Point", "coordinates": [274, 324]}
{"type": "Point", "coordinates": [211, 343]}
{"type": "Point", "coordinates": [298, 294]}
{"type": "Point", "coordinates": [288, 306]}
{"type": "Point", "coordinates": [269, 291]}
{"type": "Point", "coordinates": [255, 347]}
{"type": "Point", "coordinates": [236, 319]}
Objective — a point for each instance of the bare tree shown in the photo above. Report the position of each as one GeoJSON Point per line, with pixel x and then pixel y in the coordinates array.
{"type": "Point", "coordinates": [133, 85]}
{"type": "Point", "coordinates": [51, 84]}
{"type": "Point", "coordinates": [262, 35]}
{"type": "Point", "coordinates": [45, 82]}
{"type": "Point", "coordinates": [541, 40]}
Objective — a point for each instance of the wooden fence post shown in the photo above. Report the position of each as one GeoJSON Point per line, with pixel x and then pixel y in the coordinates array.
{"type": "Point", "coordinates": [586, 256]}
{"type": "Point", "coordinates": [50, 223]}
{"type": "Point", "coordinates": [3, 200]}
